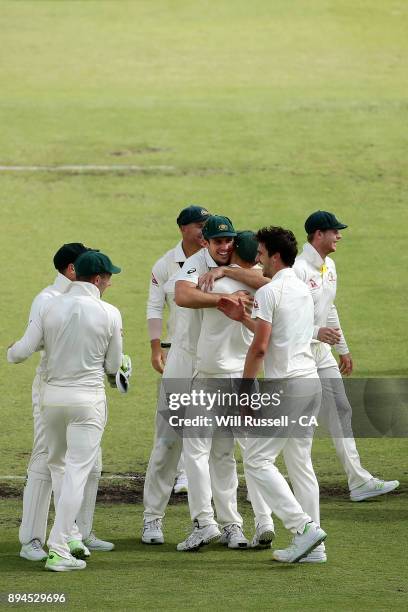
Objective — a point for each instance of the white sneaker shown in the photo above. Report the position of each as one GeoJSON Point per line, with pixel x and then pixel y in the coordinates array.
{"type": "Point", "coordinates": [78, 549]}
{"type": "Point", "coordinates": [94, 543]}
{"type": "Point", "coordinates": [318, 555]}
{"type": "Point", "coordinates": [233, 537]}
{"type": "Point", "coordinates": [152, 532]}
{"type": "Point", "coordinates": [373, 488]}
{"type": "Point", "coordinates": [33, 551]}
{"type": "Point", "coordinates": [200, 537]}
{"type": "Point", "coordinates": [302, 544]}
{"type": "Point", "coordinates": [263, 537]}
{"type": "Point", "coordinates": [56, 563]}
{"type": "Point", "coordinates": [181, 485]}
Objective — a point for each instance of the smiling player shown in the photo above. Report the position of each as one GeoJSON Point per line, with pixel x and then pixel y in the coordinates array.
{"type": "Point", "coordinates": [318, 271]}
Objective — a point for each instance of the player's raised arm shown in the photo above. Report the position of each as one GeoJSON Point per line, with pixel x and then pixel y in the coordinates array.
{"type": "Point", "coordinates": [248, 276]}
{"type": "Point", "coordinates": [188, 295]}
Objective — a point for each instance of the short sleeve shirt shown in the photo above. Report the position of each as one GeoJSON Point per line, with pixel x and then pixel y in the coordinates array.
{"type": "Point", "coordinates": [188, 320]}
{"type": "Point", "coordinates": [287, 304]}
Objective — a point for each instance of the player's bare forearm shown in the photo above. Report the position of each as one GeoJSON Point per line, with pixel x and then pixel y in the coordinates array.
{"type": "Point", "coordinates": [258, 348]}
{"type": "Point", "coordinates": [249, 276]}
{"type": "Point", "coordinates": [249, 322]}
{"type": "Point", "coordinates": [189, 296]}
{"type": "Point", "coordinates": [253, 362]}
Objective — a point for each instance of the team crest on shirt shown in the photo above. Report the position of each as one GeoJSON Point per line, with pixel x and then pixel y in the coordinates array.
{"type": "Point", "coordinates": [312, 283]}
{"type": "Point", "coordinates": [256, 305]}
{"type": "Point", "coordinates": [154, 280]}
{"type": "Point", "coordinates": [331, 276]}
{"type": "Point", "coordinates": [191, 270]}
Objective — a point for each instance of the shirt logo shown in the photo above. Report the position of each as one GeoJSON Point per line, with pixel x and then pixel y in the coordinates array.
{"type": "Point", "coordinates": [191, 270]}
{"type": "Point", "coordinates": [313, 284]}
{"type": "Point", "coordinates": [154, 280]}
{"type": "Point", "coordinates": [331, 276]}
{"type": "Point", "coordinates": [256, 305]}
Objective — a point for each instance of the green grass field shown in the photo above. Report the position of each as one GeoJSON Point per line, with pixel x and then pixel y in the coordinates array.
{"type": "Point", "coordinates": [263, 112]}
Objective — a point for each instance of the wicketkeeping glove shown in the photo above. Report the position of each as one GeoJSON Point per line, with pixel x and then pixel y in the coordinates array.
{"type": "Point", "coordinates": [123, 374]}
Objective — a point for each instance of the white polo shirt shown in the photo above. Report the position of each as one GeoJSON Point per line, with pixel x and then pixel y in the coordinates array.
{"type": "Point", "coordinates": [81, 335]}
{"type": "Point", "coordinates": [188, 320]}
{"type": "Point", "coordinates": [321, 278]}
{"type": "Point", "coordinates": [286, 303]}
{"type": "Point", "coordinates": [223, 343]}
{"type": "Point", "coordinates": [161, 289]}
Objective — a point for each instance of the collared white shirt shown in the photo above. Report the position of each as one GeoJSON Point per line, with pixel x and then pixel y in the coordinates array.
{"type": "Point", "coordinates": [60, 285]}
{"type": "Point", "coordinates": [321, 278]}
{"type": "Point", "coordinates": [161, 289]}
{"type": "Point", "coordinates": [81, 335]}
{"type": "Point", "coordinates": [223, 343]}
{"type": "Point", "coordinates": [188, 320]}
{"type": "Point", "coordinates": [286, 303]}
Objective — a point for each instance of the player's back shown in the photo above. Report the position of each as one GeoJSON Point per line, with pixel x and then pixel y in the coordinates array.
{"type": "Point", "coordinates": [223, 343]}
{"type": "Point", "coordinates": [77, 330]}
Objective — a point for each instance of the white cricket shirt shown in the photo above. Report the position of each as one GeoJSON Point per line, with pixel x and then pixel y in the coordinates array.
{"type": "Point", "coordinates": [60, 285]}
{"type": "Point", "coordinates": [286, 303]}
{"type": "Point", "coordinates": [223, 343]}
{"type": "Point", "coordinates": [161, 289]}
{"type": "Point", "coordinates": [321, 278]}
{"type": "Point", "coordinates": [188, 320]}
{"type": "Point", "coordinates": [81, 335]}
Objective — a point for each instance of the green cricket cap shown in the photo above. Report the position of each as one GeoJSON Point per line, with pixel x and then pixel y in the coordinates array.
{"type": "Point", "coordinates": [218, 227]}
{"type": "Point", "coordinates": [322, 220]}
{"type": "Point", "coordinates": [68, 254]}
{"type": "Point", "coordinates": [94, 262]}
{"type": "Point", "coordinates": [246, 245]}
{"type": "Point", "coordinates": [192, 214]}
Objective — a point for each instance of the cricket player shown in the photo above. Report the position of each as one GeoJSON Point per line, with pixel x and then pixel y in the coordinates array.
{"type": "Point", "coordinates": [82, 339]}
{"type": "Point", "coordinates": [283, 329]}
{"type": "Point", "coordinates": [37, 490]}
{"type": "Point", "coordinates": [191, 221]}
{"type": "Point", "coordinates": [314, 267]}
{"type": "Point", "coordinates": [318, 271]}
{"type": "Point", "coordinates": [180, 365]}
{"type": "Point", "coordinates": [210, 461]}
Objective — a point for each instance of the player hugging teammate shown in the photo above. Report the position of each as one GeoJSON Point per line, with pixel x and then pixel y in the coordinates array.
{"type": "Point", "coordinates": [289, 334]}
{"type": "Point", "coordinates": [239, 302]}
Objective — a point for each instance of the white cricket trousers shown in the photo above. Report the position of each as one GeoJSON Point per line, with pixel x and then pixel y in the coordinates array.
{"type": "Point", "coordinates": [167, 447]}
{"type": "Point", "coordinates": [211, 468]}
{"type": "Point", "coordinates": [38, 487]}
{"type": "Point", "coordinates": [263, 477]}
{"type": "Point", "coordinates": [74, 420]}
{"type": "Point", "coordinates": [335, 410]}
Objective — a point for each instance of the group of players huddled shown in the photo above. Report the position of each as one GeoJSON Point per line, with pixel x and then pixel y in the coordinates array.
{"type": "Point", "coordinates": [239, 303]}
